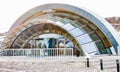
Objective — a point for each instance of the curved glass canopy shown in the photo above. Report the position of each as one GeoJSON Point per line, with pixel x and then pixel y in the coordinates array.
{"type": "Point", "coordinates": [88, 37]}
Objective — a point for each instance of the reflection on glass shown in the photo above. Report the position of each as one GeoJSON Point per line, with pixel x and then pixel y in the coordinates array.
{"type": "Point", "coordinates": [68, 26]}
{"type": "Point", "coordinates": [59, 23]}
{"type": "Point", "coordinates": [87, 29]}
{"type": "Point", "coordinates": [84, 39]}
{"type": "Point", "coordinates": [90, 48]}
{"type": "Point", "coordinates": [76, 32]}
{"type": "Point", "coordinates": [94, 36]}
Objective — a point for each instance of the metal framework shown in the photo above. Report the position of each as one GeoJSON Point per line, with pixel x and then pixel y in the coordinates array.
{"type": "Point", "coordinates": [71, 22]}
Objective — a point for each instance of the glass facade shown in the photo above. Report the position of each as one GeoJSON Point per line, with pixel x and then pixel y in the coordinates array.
{"type": "Point", "coordinates": [80, 31]}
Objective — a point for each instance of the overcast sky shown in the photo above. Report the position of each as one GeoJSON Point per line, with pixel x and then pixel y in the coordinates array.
{"type": "Point", "coordinates": [11, 10]}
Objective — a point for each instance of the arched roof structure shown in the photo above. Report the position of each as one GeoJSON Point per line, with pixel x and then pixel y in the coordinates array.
{"type": "Point", "coordinates": [86, 29]}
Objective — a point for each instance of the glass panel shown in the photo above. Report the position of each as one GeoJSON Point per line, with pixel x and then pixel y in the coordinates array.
{"type": "Point", "coordinates": [20, 42]}
{"type": "Point", "coordinates": [50, 16]}
{"type": "Point", "coordinates": [74, 24]}
{"type": "Point", "coordinates": [33, 29]}
{"type": "Point", "coordinates": [76, 32]}
{"type": "Point", "coordinates": [94, 36]}
{"type": "Point", "coordinates": [84, 39]}
{"type": "Point", "coordinates": [59, 23]}
{"type": "Point", "coordinates": [87, 29]}
{"type": "Point", "coordinates": [78, 23]}
{"type": "Point", "coordinates": [92, 26]}
{"type": "Point", "coordinates": [53, 19]}
{"type": "Point", "coordinates": [68, 26]}
{"type": "Point", "coordinates": [83, 20]}
{"type": "Point", "coordinates": [101, 47]}
{"type": "Point", "coordinates": [27, 33]}
{"type": "Point", "coordinates": [58, 18]}
{"type": "Point", "coordinates": [22, 37]}
{"type": "Point", "coordinates": [65, 20]}
{"type": "Point", "coordinates": [108, 51]}
{"type": "Point", "coordinates": [104, 51]}
{"type": "Point", "coordinates": [90, 48]}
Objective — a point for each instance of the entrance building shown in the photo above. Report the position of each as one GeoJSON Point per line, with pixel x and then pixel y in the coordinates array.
{"type": "Point", "coordinates": [63, 26]}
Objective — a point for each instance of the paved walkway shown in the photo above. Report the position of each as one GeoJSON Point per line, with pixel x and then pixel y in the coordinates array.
{"type": "Point", "coordinates": [54, 64]}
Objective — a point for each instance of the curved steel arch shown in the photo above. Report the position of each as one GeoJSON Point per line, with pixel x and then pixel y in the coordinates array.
{"type": "Point", "coordinates": [106, 28]}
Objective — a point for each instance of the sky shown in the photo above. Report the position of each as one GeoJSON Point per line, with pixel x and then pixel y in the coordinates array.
{"type": "Point", "coordinates": [11, 10]}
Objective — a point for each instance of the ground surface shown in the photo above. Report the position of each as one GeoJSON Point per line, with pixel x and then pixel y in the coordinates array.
{"type": "Point", "coordinates": [63, 64]}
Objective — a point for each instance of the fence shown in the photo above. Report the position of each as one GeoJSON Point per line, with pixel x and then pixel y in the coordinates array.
{"type": "Point", "coordinates": [51, 52]}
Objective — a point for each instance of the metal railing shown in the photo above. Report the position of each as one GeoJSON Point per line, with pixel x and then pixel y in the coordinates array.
{"type": "Point", "coordinates": [51, 52]}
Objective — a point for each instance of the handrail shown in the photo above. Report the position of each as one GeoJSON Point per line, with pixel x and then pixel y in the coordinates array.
{"type": "Point", "coordinates": [35, 52]}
